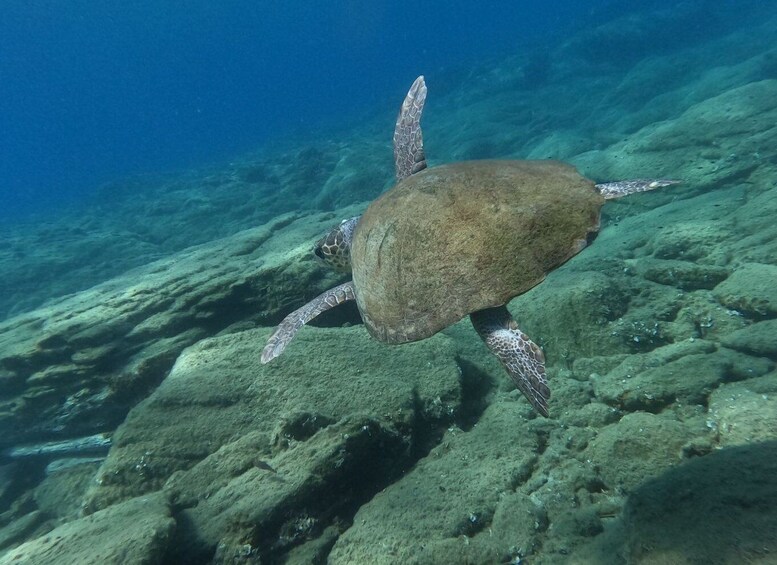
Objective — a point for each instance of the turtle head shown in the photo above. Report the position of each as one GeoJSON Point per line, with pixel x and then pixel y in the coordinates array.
{"type": "Point", "coordinates": [334, 249]}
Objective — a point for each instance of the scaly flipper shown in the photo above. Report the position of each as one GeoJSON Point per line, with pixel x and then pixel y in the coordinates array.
{"type": "Point", "coordinates": [292, 323]}
{"type": "Point", "coordinates": [620, 188]}
{"type": "Point", "coordinates": [334, 248]}
{"type": "Point", "coordinates": [409, 155]}
{"type": "Point", "coordinates": [521, 357]}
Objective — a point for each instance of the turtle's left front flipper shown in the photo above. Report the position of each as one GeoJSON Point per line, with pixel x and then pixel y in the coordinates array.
{"type": "Point", "coordinates": [409, 156]}
{"type": "Point", "coordinates": [292, 323]}
{"type": "Point", "coordinates": [521, 357]}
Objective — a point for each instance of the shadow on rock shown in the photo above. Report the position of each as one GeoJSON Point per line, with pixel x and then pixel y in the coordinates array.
{"type": "Point", "coordinates": [721, 508]}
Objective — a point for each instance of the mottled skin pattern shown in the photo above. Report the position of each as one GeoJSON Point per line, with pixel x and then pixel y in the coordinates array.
{"type": "Point", "coordinates": [611, 190]}
{"type": "Point", "coordinates": [409, 157]}
{"type": "Point", "coordinates": [522, 358]}
{"type": "Point", "coordinates": [334, 248]}
{"type": "Point", "coordinates": [292, 323]}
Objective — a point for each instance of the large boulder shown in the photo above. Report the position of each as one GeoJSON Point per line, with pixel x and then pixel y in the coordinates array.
{"type": "Point", "coordinates": [136, 531]}
{"type": "Point", "coordinates": [271, 456]}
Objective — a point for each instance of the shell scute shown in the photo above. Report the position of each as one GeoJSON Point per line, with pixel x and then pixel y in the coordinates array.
{"type": "Point", "coordinates": [459, 238]}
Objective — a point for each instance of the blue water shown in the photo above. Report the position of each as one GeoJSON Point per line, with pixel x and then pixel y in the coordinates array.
{"type": "Point", "coordinates": [93, 91]}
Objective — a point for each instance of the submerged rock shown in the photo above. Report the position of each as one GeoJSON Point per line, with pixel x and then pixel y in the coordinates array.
{"type": "Point", "coordinates": [659, 340]}
{"type": "Point", "coordinates": [77, 365]}
{"type": "Point", "coordinates": [270, 456]}
{"type": "Point", "coordinates": [745, 412]}
{"type": "Point", "coordinates": [750, 289]}
{"type": "Point", "coordinates": [640, 446]}
{"type": "Point", "coordinates": [685, 373]}
{"type": "Point", "coordinates": [757, 339]}
{"type": "Point", "coordinates": [716, 509]}
{"type": "Point", "coordinates": [60, 493]}
{"type": "Point", "coordinates": [459, 504]}
{"type": "Point", "coordinates": [136, 531]}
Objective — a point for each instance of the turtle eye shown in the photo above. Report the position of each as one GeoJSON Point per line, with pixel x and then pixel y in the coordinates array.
{"type": "Point", "coordinates": [318, 253]}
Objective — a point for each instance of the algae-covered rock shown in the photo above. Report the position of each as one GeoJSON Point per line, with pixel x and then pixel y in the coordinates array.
{"type": "Point", "coordinates": [510, 489]}
{"type": "Point", "coordinates": [77, 365]}
{"type": "Point", "coordinates": [569, 313]}
{"type": "Point", "coordinates": [136, 531]}
{"type": "Point", "coordinates": [23, 527]}
{"type": "Point", "coordinates": [757, 233]}
{"type": "Point", "coordinates": [252, 451]}
{"type": "Point", "coordinates": [721, 508]}
{"type": "Point", "coordinates": [687, 245]}
{"type": "Point", "coordinates": [757, 339]}
{"type": "Point", "coordinates": [459, 504]}
{"type": "Point", "coordinates": [716, 141]}
{"type": "Point", "coordinates": [684, 373]}
{"type": "Point", "coordinates": [750, 289]}
{"type": "Point", "coordinates": [268, 504]}
{"type": "Point", "coordinates": [60, 493]}
{"type": "Point", "coordinates": [640, 446]}
{"type": "Point", "coordinates": [688, 380]}
{"type": "Point", "coordinates": [745, 412]}
{"type": "Point", "coordinates": [682, 274]}
{"type": "Point", "coordinates": [701, 316]}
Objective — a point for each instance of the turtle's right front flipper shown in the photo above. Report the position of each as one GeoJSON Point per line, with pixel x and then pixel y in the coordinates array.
{"type": "Point", "coordinates": [521, 357]}
{"type": "Point", "coordinates": [292, 323]}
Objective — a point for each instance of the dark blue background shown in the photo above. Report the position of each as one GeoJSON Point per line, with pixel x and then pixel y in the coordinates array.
{"type": "Point", "coordinates": [90, 91]}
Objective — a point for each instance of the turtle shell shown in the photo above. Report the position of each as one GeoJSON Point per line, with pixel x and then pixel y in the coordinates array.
{"type": "Point", "coordinates": [459, 238]}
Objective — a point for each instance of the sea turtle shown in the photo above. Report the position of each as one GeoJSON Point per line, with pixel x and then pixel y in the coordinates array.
{"type": "Point", "coordinates": [459, 239]}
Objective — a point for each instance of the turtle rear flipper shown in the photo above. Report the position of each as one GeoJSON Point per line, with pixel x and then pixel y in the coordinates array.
{"type": "Point", "coordinates": [521, 357]}
{"type": "Point", "coordinates": [620, 188]}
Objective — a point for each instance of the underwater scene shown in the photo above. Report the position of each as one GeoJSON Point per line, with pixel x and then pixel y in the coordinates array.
{"type": "Point", "coordinates": [389, 283]}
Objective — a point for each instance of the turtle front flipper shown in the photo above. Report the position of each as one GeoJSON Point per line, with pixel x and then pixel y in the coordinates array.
{"type": "Point", "coordinates": [409, 157]}
{"type": "Point", "coordinates": [521, 357]}
{"type": "Point", "coordinates": [292, 323]}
